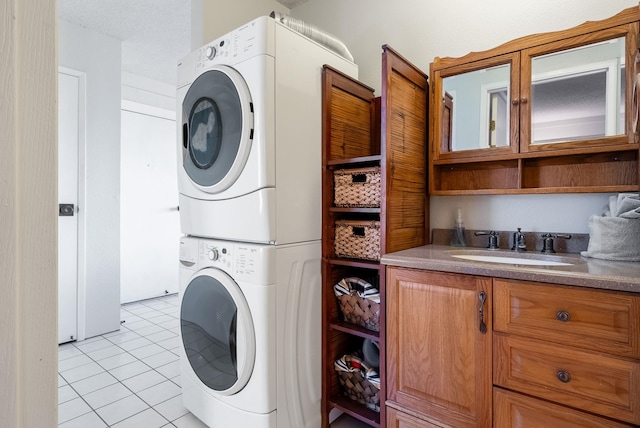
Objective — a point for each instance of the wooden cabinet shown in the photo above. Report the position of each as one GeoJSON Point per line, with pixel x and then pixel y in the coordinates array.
{"type": "Point", "coordinates": [361, 130]}
{"type": "Point", "coordinates": [517, 130]}
{"type": "Point", "coordinates": [571, 346]}
{"type": "Point", "coordinates": [398, 419]}
{"type": "Point", "coordinates": [439, 346]}
{"type": "Point", "coordinates": [515, 410]}
{"type": "Point", "coordinates": [552, 355]}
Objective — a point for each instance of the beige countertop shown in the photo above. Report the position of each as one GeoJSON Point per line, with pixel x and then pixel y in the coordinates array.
{"type": "Point", "coordinates": [583, 271]}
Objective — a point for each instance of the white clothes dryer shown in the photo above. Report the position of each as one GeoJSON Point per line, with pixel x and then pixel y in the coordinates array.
{"type": "Point", "coordinates": [250, 326]}
{"type": "Point", "coordinates": [250, 132]}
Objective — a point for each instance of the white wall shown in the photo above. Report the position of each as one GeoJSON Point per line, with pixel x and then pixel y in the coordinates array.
{"type": "Point", "coordinates": [99, 57]}
{"type": "Point", "coordinates": [28, 214]}
{"type": "Point", "coordinates": [220, 17]}
{"type": "Point", "coordinates": [421, 30]}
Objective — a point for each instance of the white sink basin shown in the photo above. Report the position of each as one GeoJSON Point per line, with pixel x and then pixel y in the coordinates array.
{"type": "Point", "coordinates": [510, 260]}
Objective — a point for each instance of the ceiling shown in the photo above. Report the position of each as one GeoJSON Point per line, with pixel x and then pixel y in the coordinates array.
{"type": "Point", "coordinates": [154, 34]}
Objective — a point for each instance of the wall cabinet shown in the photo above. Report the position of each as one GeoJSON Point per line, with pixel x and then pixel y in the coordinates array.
{"type": "Point", "coordinates": [548, 113]}
{"type": "Point", "coordinates": [361, 130]}
{"type": "Point", "coordinates": [554, 356]}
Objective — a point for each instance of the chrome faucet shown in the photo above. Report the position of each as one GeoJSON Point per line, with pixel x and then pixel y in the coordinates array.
{"type": "Point", "coordinates": [519, 243]}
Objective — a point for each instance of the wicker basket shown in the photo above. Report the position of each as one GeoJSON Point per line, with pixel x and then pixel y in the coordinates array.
{"type": "Point", "coordinates": [359, 302]}
{"type": "Point", "coordinates": [357, 239]}
{"type": "Point", "coordinates": [358, 187]}
{"type": "Point", "coordinates": [358, 381]}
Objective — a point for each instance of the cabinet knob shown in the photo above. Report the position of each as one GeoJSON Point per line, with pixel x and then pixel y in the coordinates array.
{"type": "Point", "coordinates": [563, 316]}
{"type": "Point", "coordinates": [563, 376]}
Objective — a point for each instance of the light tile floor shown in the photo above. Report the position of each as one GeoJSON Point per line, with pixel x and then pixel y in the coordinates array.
{"type": "Point", "coordinates": [131, 378]}
{"type": "Point", "coordinates": [128, 378]}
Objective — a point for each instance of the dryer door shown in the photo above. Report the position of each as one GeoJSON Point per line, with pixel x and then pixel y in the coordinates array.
{"type": "Point", "coordinates": [217, 331]}
{"type": "Point", "coordinates": [217, 128]}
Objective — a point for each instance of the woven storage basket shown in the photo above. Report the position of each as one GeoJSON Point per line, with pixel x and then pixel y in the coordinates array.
{"type": "Point", "coordinates": [359, 187]}
{"type": "Point", "coordinates": [358, 381]}
{"type": "Point", "coordinates": [359, 302]}
{"type": "Point", "coordinates": [357, 239]}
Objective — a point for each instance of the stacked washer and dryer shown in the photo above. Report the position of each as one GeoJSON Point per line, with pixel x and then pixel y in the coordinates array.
{"type": "Point", "coordinates": [249, 177]}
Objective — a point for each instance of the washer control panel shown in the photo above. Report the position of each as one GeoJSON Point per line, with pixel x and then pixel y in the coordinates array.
{"type": "Point", "coordinates": [243, 261]}
{"type": "Point", "coordinates": [241, 44]}
{"type": "Point", "coordinates": [216, 253]}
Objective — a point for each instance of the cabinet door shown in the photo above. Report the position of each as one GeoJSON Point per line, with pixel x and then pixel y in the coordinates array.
{"type": "Point", "coordinates": [397, 419]}
{"type": "Point", "coordinates": [438, 355]}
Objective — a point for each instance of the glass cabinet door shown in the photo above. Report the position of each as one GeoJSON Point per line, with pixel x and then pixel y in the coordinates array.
{"type": "Point", "coordinates": [475, 110]}
{"type": "Point", "coordinates": [574, 91]}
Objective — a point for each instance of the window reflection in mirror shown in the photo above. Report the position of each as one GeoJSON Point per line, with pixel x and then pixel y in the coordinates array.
{"type": "Point", "coordinates": [476, 109]}
{"type": "Point", "coordinates": [578, 94]}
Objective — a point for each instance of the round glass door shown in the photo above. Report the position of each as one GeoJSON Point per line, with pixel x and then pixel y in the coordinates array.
{"type": "Point", "coordinates": [217, 331]}
{"type": "Point", "coordinates": [217, 129]}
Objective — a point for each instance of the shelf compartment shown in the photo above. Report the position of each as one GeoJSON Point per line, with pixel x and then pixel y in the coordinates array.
{"type": "Point", "coordinates": [583, 172]}
{"type": "Point", "coordinates": [355, 330]}
{"type": "Point", "coordinates": [355, 210]}
{"type": "Point", "coordinates": [357, 161]}
{"type": "Point", "coordinates": [356, 410]}
{"type": "Point", "coordinates": [500, 174]}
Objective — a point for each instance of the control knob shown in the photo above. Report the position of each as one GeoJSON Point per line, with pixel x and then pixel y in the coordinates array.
{"type": "Point", "coordinates": [210, 52]}
{"type": "Point", "coordinates": [213, 254]}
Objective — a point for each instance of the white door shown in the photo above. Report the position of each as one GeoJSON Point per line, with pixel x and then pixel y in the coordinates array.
{"type": "Point", "coordinates": [68, 143]}
{"type": "Point", "coordinates": [149, 218]}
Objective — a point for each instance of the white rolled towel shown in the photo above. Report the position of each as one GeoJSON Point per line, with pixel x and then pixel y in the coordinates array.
{"type": "Point", "coordinates": [613, 238]}
{"type": "Point", "coordinates": [628, 206]}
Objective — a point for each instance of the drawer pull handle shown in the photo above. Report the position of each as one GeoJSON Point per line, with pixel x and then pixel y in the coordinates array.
{"type": "Point", "coordinates": [563, 376]}
{"type": "Point", "coordinates": [563, 316]}
{"type": "Point", "coordinates": [482, 296]}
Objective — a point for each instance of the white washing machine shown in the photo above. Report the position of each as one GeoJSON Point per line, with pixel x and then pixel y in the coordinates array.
{"type": "Point", "coordinates": [250, 132]}
{"type": "Point", "coordinates": [250, 326]}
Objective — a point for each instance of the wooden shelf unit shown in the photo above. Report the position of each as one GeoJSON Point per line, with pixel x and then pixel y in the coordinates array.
{"type": "Point", "coordinates": [362, 130]}
{"type": "Point", "coordinates": [581, 171]}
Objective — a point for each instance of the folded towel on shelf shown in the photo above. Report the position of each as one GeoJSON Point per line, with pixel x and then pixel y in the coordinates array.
{"type": "Point", "coordinates": [625, 205]}
{"type": "Point", "coordinates": [614, 238]}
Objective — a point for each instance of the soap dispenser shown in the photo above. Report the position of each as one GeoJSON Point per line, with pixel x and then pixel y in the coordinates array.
{"type": "Point", "coordinates": [457, 238]}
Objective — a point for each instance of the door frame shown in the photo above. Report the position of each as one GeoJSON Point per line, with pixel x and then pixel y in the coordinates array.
{"type": "Point", "coordinates": [80, 211]}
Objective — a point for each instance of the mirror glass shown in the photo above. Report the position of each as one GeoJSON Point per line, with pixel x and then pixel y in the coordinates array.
{"type": "Point", "coordinates": [476, 109]}
{"type": "Point", "coordinates": [578, 94]}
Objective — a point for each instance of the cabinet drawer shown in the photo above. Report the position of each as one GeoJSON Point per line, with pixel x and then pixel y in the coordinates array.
{"type": "Point", "coordinates": [586, 380]}
{"type": "Point", "coordinates": [585, 318]}
{"type": "Point", "coordinates": [515, 410]}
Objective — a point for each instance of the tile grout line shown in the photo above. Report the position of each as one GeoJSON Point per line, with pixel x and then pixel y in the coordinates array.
{"type": "Point", "coordinates": [158, 313]}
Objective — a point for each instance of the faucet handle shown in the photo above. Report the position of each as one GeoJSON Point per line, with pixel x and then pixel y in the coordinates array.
{"type": "Point", "coordinates": [493, 239]}
{"type": "Point", "coordinates": [547, 241]}
{"type": "Point", "coordinates": [519, 243]}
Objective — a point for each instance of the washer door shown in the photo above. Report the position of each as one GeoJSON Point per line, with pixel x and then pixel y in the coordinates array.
{"type": "Point", "coordinates": [217, 129]}
{"type": "Point", "coordinates": [217, 331]}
